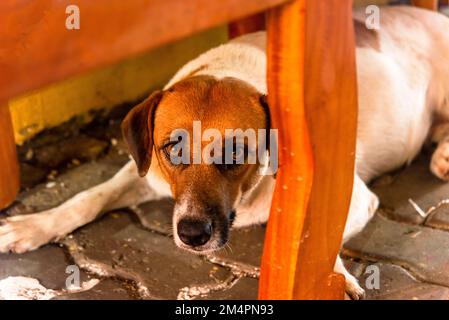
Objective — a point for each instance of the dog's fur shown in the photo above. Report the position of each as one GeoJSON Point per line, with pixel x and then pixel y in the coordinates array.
{"type": "Point", "coordinates": [403, 87]}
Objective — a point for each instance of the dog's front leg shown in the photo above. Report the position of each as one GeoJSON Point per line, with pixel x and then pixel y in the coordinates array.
{"type": "Point", "coordinates": [27, 232]}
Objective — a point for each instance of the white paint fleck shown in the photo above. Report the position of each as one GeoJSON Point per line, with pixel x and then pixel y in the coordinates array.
{"type": "Point", "coordinates": [50, 185]}
{"type": "Point", "coordinates": [23, 288]}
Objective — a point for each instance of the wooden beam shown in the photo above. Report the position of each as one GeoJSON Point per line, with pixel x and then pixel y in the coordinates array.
{"type": "Point", "coordinates": [37, 49]}
{"type": "Point", "coordinates": [9, 168]}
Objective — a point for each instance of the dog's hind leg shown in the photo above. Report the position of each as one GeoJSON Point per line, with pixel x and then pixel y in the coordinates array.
{"type": "Point", "coordinates": [27, 232]}
{"type": "Point", "coordinates": [439, 164]}
{"type": "Point", "coordinates": [353, 289]}
{"type": "Point", "coordinates": [364, 204]}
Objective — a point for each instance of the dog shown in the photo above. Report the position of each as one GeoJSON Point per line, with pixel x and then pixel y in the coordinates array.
{"type": "Point", "coordinates": [403, 91]}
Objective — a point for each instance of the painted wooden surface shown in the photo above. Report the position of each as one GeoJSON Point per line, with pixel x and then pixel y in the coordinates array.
{"type": "Point", "coordinates": [9, 170]}
{"type": "Point", "coordinates": [247, 25]}
{"type": "Point", "coordinates": [37, 49]}
{"type": "Point", "coordinates": [331, 113]}
{"type": "Point", "coordinates": [317, 127]}
{"type": "Point", "coordinates": [285, 54]}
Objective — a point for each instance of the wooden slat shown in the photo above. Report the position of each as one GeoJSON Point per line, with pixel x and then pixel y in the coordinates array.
{"type": "Point", "coordinates": [285, 53]}
{"type": "Point", "coordinates": [9, 169]}
{"type": "Point", "coordinates": [426, 4]}
{"type": "Point", "coordinates": [247, 25]}
{"type": "Point", "coordinates": [37, 49]}
{"type": "Point", "coordinates": [307, 219]}
{"type": "Point", "coordinates": [331, 110]}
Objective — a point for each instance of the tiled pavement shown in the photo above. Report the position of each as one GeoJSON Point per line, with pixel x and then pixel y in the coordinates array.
{"type": "Point", "coordinates": [132, 255]}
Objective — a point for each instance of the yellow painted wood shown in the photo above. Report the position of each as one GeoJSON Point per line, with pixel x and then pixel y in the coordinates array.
{"type": "Point", "coordinates": [104, 88]}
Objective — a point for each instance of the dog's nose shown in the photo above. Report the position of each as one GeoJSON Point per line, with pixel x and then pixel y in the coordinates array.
{"type": "Point", "coordinates": [194, 232]}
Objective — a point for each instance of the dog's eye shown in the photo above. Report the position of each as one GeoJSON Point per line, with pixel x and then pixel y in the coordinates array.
{"type": "Point", "coordinates": [172, 151]}
{"type": "Point", "coordinates": [239, 155]}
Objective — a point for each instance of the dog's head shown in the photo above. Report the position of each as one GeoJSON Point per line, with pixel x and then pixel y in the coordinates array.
{"type": "Point", "coordinates": [206, 194]}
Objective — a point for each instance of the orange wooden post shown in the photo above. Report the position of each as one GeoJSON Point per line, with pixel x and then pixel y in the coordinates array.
{"type": "Point", "coordinates": [246, 25]}
{"type": "Point", "coordinates": [331, 110]}
{"type": "Point", "coordinates": [312, 40]}
{"type": "Point", "coordinates": [285, 66]}
{"type": "Point", "coordinates": [427, 4]}
{"type": "Point", "coordinates": [9, 168]}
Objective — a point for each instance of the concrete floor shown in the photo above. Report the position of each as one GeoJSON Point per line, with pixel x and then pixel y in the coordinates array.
{"type": "Point", "coordinates": [125, 255]}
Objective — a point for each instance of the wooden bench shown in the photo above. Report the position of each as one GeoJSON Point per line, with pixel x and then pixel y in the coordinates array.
{"type": "Point", "coordinates": [312, 95]}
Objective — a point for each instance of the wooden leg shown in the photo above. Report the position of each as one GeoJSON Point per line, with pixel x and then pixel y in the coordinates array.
{"type": "Point", "coordinates": [285, 66]}
{"type": "Point", "coordinates": [331, 112]}
{"type": "Point", "coordinates": [9, 168]}
{"type": "Point", "coordinates": [427, 4]}
{"type": "Point", "coordinates": [317, 119]}
{"type": "Point", "coordinates": [246, 25]}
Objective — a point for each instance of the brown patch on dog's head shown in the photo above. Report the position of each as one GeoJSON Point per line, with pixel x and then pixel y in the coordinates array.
{"type": "Point", "coordinates": [206, 195]}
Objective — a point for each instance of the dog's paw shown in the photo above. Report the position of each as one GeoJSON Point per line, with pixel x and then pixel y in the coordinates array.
{"type": "Point", "coordinates": [24, 233]}
{"type": "Point", "coordinates": [353, 288]}
{"type": "Point", "coordinates": [439, 165]}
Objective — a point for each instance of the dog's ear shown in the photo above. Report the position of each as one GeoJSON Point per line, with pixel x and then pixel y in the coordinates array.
{"type": "Point", "coordinates": [137, 129]}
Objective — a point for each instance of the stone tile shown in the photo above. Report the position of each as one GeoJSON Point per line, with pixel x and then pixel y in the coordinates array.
{"type": "Point", "coordinates": [415, 182]}
{"type": "Point", "coordinates": [421, 250]}
{"type": "Point", "coordinates": [244, 289]}
{"type": "Point", "coordinates": [79, 147]}
{"type": "Point", "coordinates": [104, 128]}
{"type": "Point", "coordinates": [52, 193]}
{"type": "Point", "coordinates": [48, 265]}
{"type": "Point", "coordinates": [118, 246]}
{"type": "Point", "coordinates": [439, 218]}
{"type": "Point", "coordinates": [107, 289]}
{"type": "Point", "coordinates": [398, 284]}
{"type": "Point", "coordinates": [245, 244]}
{"type": "Point", "coordinates": [157, 215]}
{"type": "Point", "coordinates": [51, 136]}
{"type": "Point", "coordinates": [31, 175]}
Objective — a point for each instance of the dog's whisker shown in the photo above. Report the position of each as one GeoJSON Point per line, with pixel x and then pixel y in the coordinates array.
{"type": "Point", "coordinates": [228, 248]}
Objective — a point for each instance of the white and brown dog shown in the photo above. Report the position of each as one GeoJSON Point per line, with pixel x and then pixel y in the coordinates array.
{"type": "Point", "coordinates": [403, 80]}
